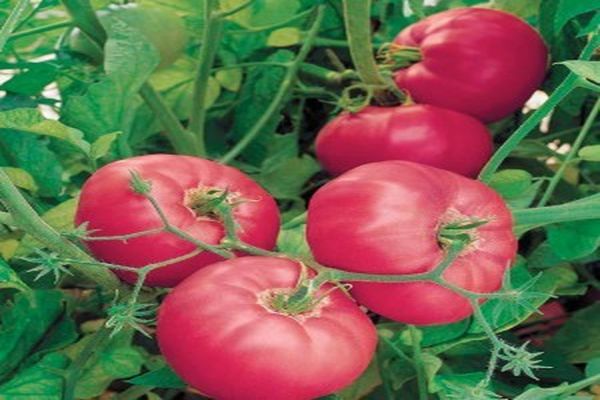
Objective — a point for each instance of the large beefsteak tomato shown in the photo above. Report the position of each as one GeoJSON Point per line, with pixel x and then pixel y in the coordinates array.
{"type": "Point", "coordinates": [110, 207]}
{"type": "Point", "coordinates": [478, 61]}
{"type": "Point", "coordinates": [221, 334]}
{"type": "Point", "coordinates": [421, 133]}
{"type": "Point", "coordinates": [388, 218]}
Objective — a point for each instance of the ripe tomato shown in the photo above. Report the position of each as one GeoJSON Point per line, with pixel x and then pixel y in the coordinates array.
{"type": "Point", "coordinates": [421, 133]}
{"type": "Point", "coordinates": [164, 29]}
{"type": "Point", "coordinates": [387, 218]}
{"type": "Point", "coordinates": [221, 334]}
{"type": "Point", "coordinates": [478, 61]}
{"type": "Point", "coordinates": [110, 207]}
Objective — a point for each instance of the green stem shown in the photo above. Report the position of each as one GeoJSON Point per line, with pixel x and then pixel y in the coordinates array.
{"type": "Point", "coordinates": [357, 17]}
{"type": "Point", "coordinates": [26, 219]}
{"type": "Point", "coordinates": [40, 29]}
{"type": "Point", "coordinates": [572, 153]}
{"type": "Point", "coordinates": [579, 210]}
{"type": "Point", "coordinates": [6, 219]}
{"type": "Point", "coordinates": [213, 27]}
{"type": "Point", "coordinates": [12, 21]}
{"type": "Point", "coordinates": [182, 141]}
{"type": "Point", "coordinates": [85, 19]}
{"type": "Point", "coordinates": [296, 221]}
{"type": "Point", "coordinates": [418, 362]}
{"type": "Point", "coordinates": [133, 393]}
{"type": "Point", "coordinates": [284, 89]}
{"type": "Point", "coordinates": [566, 86]}
{"type": "Point", "coordinates": [77, 367]}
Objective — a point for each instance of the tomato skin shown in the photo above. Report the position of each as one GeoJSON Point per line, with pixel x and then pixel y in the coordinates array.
{"type": "Point", "coordinates": [383, 218]}
{"type": "Point", "coordinates": [164, 29]}
{"type": "Point", "coordinates": [478, 61]}
{"type": "Point", "coordinates": [420, 133]}
{"type": "Point", "coordinates": [111, 208]}
{"type": "Point", "coordinates": [217, 336]}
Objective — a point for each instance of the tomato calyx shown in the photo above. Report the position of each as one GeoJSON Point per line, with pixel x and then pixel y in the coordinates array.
{"type": "Point", "coordinates": [394, 56]}
{"type": "Point", "coordinates": [211, 203]}
{"type": "Point", "coordinates": [461, 229]}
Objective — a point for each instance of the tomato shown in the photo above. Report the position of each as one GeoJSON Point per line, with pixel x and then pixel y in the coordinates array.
{"type": "Point", "coordinates": [220, 332]}
{"type": "Point", "coordinates": [164, 29]}
{"type": "Point", "coordinates": [420, 133]}
{"type": "Point", "coordinates": [388, 218]}
{"type": "Point", "coordinates": [478, 61]}
{"type": "Point", "coordinates": [110, 207]}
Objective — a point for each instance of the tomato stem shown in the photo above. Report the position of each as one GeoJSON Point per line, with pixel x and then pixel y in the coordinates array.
{"type": "Point", "coordinates": [282, 93]}
{"type": "Point", "coordinates": [211, 34]}
{"type": "Point", "coordinates": [566, 86]}
{"type": "Point", "coordinates": [587, 125]}
{"type": "Point", "coordinates": [26, 219]}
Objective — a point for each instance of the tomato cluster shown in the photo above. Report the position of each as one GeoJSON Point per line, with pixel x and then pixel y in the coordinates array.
{"type": "Point", "coordinates": [254, 327]}
{"type": "Point", "coordinates": [476, 62]}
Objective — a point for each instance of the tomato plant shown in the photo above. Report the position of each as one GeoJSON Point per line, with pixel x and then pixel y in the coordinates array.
{"type": "Point", "coordinates": [229, 308]}
{"type": "Point", "coordinates": [163, 29]}
{"type": "Point", "coordinates": [332, 200]}
{"type": "Point", "coordinates": [420, 133]}
{"type": "Point", "coordinates": [482, 62]}
{"type": "Point", "coordinates": [186, 189]}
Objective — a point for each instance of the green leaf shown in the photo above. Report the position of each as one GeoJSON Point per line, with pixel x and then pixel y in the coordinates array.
{"type": "Point", "coordinates": [109, 105]}
{"type": "Point", "coordinates": [10, 279]}
{"type": "Point", "coordinates": [590, 153]}
{"type": "Point", "coordinates": [284, 37]}
{"type": "Point", "coordinates": [568, 9]}
{"type": "Point", "coordinates": [577, 340]}
{"type": "Point", "coordinates": [163, 377]}
{"type": "Point", "coordinates": [585, 69]}
{"type": "Point", "coordinates": [21, 178]}
{"type": "Point", "coordinates": [32, 324]}
{"type": "Point", "coordinates": [262, 12]}
{"type": "Point", "coordinates": [293, 242]}
{"type": "Point", "coordinates": [516, 186]}
{"type": "Point", "coordinates": [286, 181]}
{"type": "Point", "coordinates": [32, 80]}
{"type": "Point", "coordinates": [38, 382]}
{"type": "Point", "coordinates": [102, 145]}
{"type": "Point", "coordinates": [573, 240]}
{"type": "Point", "coordinates": [362, 386]}
{"type": "Point", "coordinates": [31, 121]}
{"type": "Point", "coordinates": [524, 9]}
{"type": "Point", "coordinates": [115, 360]}
{"type": "Point", "coordinates": [230, 79]}
{"type": "Point", "coordinates": [593, 367]}
{"type": "Point", "coordinates": [60, 218]}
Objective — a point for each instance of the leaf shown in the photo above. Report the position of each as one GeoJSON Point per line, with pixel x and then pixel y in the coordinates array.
{"type": "Point", "coordinates": [32, 80]}
{"type": "Point", "coordinates": [109, 105]}
{"type": "Point", "coordinates": [262, 12]}
{"type": "Point", "coordinates": [538, 393]}
{"type": "Point", "coordinates": [516, 186]}
{"type": "Point", "coordinates": [21, 178]}
{"type": "Point", "coordinates": [10, 279]}
{"type": "Point", "coordinates": [284, 37]}
{"type": "Point", "coordinates": [362, 386]}
{"type": "Point", "coordinates": [230, 79]}
{"type": "Point", "coordinates": [115, 360]}
{"type": "Point", "coordinates": [163, 377]}
{"type": "Point", "coordinates": [102, 145]}
{"type": "Point", "coordinates": [568, 9]}
{"type": "Point", "coordinates": [60, 218]}
{"type": "Point", "coordinates": [593, 367]}
{"type": "Point", "coordinates": [286, 181]}
{"type": "Point", "coordinates": [573, 240]}
{"type": "Point", "coordinates": [38, 382]}
{"type": "Point", "coordinates": [31, 121]}
{"type": "Point", "coordinates": [32, 324]}
{"type": "Point", "coordinates": [577, 340]}
{"type": "Point", "coordinates": [586, 69]}
{"type": "Point", "coordinates": [293, 242]}
{"type": "Point", "coordinates": [590, 153]}
{"type": "Point", "coordinates": [524, 9]}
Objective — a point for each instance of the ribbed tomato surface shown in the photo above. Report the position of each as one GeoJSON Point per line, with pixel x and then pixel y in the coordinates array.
{"type": "Point", "coordinates": [421, 133]}
{"type": "Point", "coordinates": [219, 334]}
{"type": "Point", "coordinates": [110, 207]}
{"type": "Point", "coordinates": [478, 61]}
{"type": "Point", "coordinates": [385, 218]}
